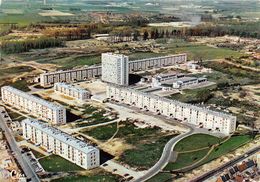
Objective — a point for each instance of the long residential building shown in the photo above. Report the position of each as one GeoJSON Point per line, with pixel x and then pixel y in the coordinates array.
{"type": "Point", "coordinates": [157, 62]}
{"type": "Point", "coordinates": [202, 117]}
{"type": "Point", "coordinates": [35, 106]}
{"type": "Point", "coordinates": [72, 91]}
{"type": "Point", "coordinates": [59, 143]}
{"type": "Point", "coordinates": [74, 75]}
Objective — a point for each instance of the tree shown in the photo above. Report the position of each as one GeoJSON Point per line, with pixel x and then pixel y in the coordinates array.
{"type": "Point", "coordinates": [145, 35]}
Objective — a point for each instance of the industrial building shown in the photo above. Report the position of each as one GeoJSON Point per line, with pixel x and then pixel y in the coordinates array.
{"type": "Point", "coordinates": [72, 91]}
{"type": "Point", "coordinates": [115, 68]}
{"type": "Point", "coordinates": [59, 143]}
{"type": "Point", "coordinates": [200, 116]}
{"type": "Point", "coordinates": [35, 106]}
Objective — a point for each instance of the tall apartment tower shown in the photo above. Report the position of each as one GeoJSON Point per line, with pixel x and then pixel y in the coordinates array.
{"type": "Point", "coordinates": [115, 68]}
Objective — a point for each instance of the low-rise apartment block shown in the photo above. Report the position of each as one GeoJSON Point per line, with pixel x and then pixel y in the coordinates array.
{"type": "Point", "coordinates": [72, 91]}
{"type": "Point", "coordinates": [59, 143]}
{"type": "Point", "coordinates": [35, 106]}
{"type": "Point", "coordinates": [200, 116]}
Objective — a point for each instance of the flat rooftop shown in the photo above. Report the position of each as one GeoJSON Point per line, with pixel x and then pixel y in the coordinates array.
{"type": "Point", "coordinates": [60, 135]}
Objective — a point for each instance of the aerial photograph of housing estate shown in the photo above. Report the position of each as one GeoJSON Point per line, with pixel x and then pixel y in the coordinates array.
{"type": "Point", "coordinates": [129, 90]}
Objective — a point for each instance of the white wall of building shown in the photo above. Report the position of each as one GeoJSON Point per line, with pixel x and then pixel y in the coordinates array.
{"type": "Point", "coordinates": [217, 121]}
{"type": "Point", "coordinates": [57, 142]}
{"type": "Point", "coordinates": [72, 91]}
{"type": "Point", "coordinates": [33, 105]}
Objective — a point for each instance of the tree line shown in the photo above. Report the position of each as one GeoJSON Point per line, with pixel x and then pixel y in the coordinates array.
{"type": "Point", "coordinates": [19, 46]}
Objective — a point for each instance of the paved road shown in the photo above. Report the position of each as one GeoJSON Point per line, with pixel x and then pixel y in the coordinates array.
{"type": "Point", "coordinates": [225, 166]}
{"type": "Point", "coordinates": [22, 159]}
{"type": "Point", "coordinates": [165, 157]}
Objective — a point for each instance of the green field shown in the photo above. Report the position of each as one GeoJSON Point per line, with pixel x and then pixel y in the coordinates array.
{"type": "Point", "coordinates": [199, 142]}
{"type": "Point", "coordinates": [160, 177]}
{"type": "Point", "coordinates": [233, 143]}
{"type": "Point", "coordinates": [196, 141]}
{"type": "Point", "coordinates": [56, 163]}
{"type": "Point", "coordinates": [94, 178]}
{"type": "Point", "coordinates": [194, 95]}
{"type": "Point", "coordinates": [102, 133]}
{"type": "Point", "coordinates": [15, 70]}
{"type": "Point", "coordinates": [202, 51]}
{"type": "Point", "coordinates": [95, 118]}
{"type": "Point", "coordinates": [147, 143]}
{"type": "Point", "coordinates": [21, 85]}
{"type": "Point", "coordinates": [186, 159]}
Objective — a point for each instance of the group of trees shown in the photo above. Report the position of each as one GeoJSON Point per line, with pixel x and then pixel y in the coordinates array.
{"type": "Point", "coordinates": [73, 32]}
{"type": "Point", "coordinates": [161, 33]}
{"type": "Point", "coordinates": [25, 45]}
{"type": "Point", "coordinates": [242, 30]}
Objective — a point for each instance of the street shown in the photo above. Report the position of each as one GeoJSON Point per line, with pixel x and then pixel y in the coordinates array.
{"type": "Point", "coordinates": [22, 159]}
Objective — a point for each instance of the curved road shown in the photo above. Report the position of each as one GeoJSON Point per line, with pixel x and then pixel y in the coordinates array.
{"type": "Point", "coordinates": [165, 157]}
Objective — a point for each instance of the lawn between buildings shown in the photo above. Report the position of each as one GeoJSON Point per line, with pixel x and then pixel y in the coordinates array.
{"type": "Point", "coordinates": [55, 163]}
{"type": "Point", "coordinates": [147, 143]}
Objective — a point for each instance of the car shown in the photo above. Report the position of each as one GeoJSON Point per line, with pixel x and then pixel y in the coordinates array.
{"type": "Point", "coordinates": [125, 175]}
{"type": "Point", "coordinates": [105, 164]}
{"type": "Point", "coordinates": [114, 170]}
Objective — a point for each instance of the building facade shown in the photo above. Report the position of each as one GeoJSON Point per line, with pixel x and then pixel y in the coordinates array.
{"type": "Point", "coordinates": [157, 62]}
{"type": "Point", "coordinates": [72, 91]}
{"type": "Point", "coordinates": [59, 143]}
{"type": "Point", "coordinates": [74, 75]}
{"type": "Point", "coordinates": [202, 117]}
{"type": "Point", "coordinates": [33, 105]}
{"type": "Point", "coordinates": [188, 81]}
{"type": "Point", "coordinates": [115, 68]}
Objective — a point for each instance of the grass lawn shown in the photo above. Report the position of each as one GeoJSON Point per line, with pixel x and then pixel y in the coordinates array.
{"type": "Point", "coordinates": [102, 133]}
{"type": "Point", "coordinates": [194, 95]}
{"type": "Point", "coordinates": [187, 159]}
{"type": "Point", "coordinates": [56, 163]}
{"type": "Point", "coordinates": [233, 143]}
{"type": "Point", "coordinates": [95, 118]}
{"type": "Point", "coordinates": [15, 70]}
{"type": "Point", "coordinates": [144, 55]}
{"type": "Point", "coordinates": [148, 143]}
{"type": "Point", "coordinates": [196, 141]}
{"type": "Point", "coordinates": [68, 63]}
{"type": "Point", "coordinates": [94, 178]}
{"type": "Point", "coordinates": [145, 155]}
{"type": "Point", "coordinates": [203, 51]}
{"type": "Point", "coordinates": [21, 85]}
{"type": "Point", "coordinates": [160, 177]}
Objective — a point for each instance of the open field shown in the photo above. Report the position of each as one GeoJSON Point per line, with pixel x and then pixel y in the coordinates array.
{"type": "Point", "coordinates": [187, 157]}
{"type": "Point", "coordinates": [102, 133]}
{"type": "Point", "coordinates": [162, 177]}
{"type": "Point", "coordinates": [56, 163]}
{"type": "Point", "coordinates": [194, 95]}
{"type": "Point", "coordinates": [92, 178]}
{"type": "Point", "coordinates": [147, 143]}
{"type": "Point", "coordinates": [195, 142]}
{"type": "Point", "coordinates": [233, 143]}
